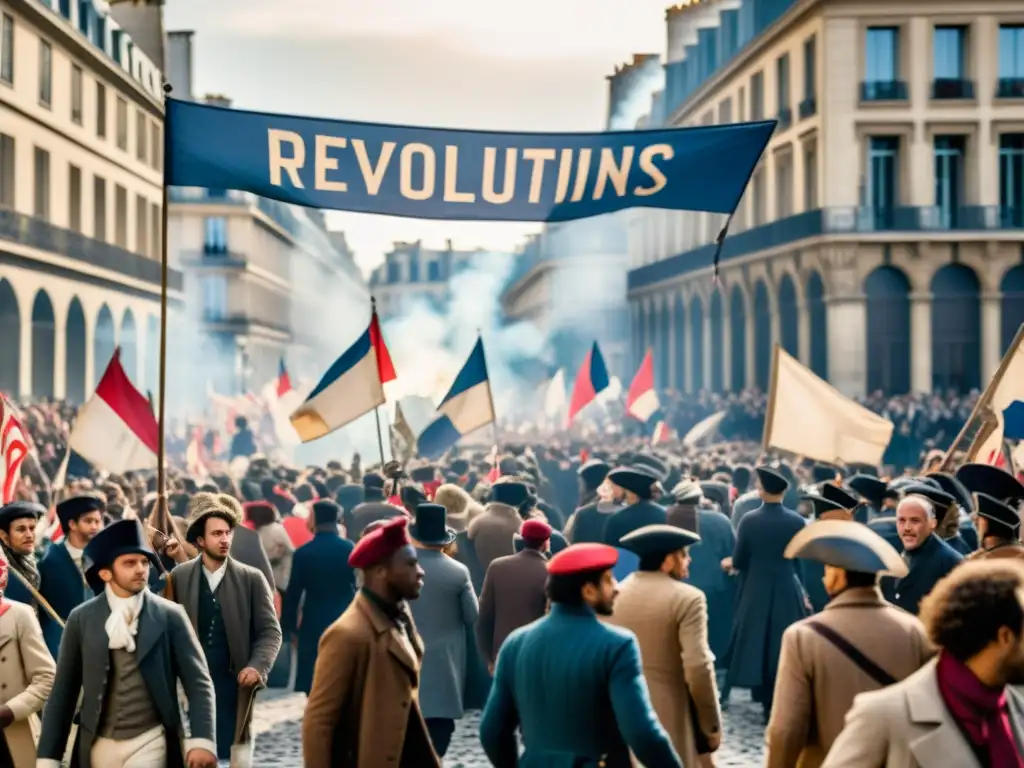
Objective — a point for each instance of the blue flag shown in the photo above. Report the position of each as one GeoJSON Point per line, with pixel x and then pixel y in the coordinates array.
{"type": "Point", "coordinates": [435, 173]}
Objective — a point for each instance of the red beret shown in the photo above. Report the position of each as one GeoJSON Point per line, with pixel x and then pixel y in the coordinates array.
{"type": "Point", "coordinates": [380, 543]}
{"type": "Point", "coordinates": [580, 558]}
{"type": "Point", "coordinates": [535, 530]}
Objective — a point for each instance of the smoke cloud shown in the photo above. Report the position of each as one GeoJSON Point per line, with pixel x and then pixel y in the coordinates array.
{"type": "Point", "coordinates": [635, 101]}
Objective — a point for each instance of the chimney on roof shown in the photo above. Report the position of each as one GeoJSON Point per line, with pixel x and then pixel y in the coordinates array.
{"type": "Point", "coordinates": [144, 23]}
{"type": "Point", "coordinates": [179, 63]}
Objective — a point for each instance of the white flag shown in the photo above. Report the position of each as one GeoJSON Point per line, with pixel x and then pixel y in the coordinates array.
{"type": "Point", "coordinates": [555, 401]}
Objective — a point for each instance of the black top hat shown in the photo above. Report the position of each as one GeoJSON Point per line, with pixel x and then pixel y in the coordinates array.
{"type": "Point", "coordinates": [839, 496]}
{"type": "Point", "coordinates": [657, 540]}
{"type": "Point", "coordinates": [425, 474]}
{"type": "Point", "coordinates": [123, 537]}
{"type": "Point", "coordinates": [18, 510]}
{"type": "Point", "coordinates": [994, 482]}
{"type": "Point", "coordinates": [772, 481]}
{"type": "Point", "coordinates": [593, 473]}
{"type": "Point", "coordinates": [430, 526]}
{"type": "Point", "coordinates": [998, 512]}
{"type": "Point", "coordinates": [511, 493]}
{"type": "Point", "coordinates": [634, 480]}
{"type": "Point", "coordinates": [76, 506]}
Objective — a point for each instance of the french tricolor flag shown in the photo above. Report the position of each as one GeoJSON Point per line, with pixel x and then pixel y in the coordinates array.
{"type": "Point", "coordinates": [116, 430]}
{"type": "Point", "coordinates": [284, 381]}
{"type": "Point", "coordinates": [353, 386]}
{"type": "Point", "coordinates": [642, 401]}
{"type": "Point", "coordinates": [591, 380]}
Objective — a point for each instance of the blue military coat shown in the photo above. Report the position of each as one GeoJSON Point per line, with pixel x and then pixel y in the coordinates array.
{"type": "Point", "coordinates": [320, 574]}
{"type": "Point", "coordinates": [63, 586]}
{"type": "Point", "coordinates": [575, 689]}
{"type": "Point", "coordinates": [770, 598]}
{"type": "Point", "coordinates": [717, 542]}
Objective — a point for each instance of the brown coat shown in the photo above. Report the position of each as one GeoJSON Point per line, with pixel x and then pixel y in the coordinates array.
{"type": "Point", "coordinates": [670, 621]}
{"type": "Point", "coordinates": [1012, 549]}
{"type": "Point", "coordinates": [818, 683]}
{"type": "Point", "coordinates": [365, 694]}
{"type": "Point", "coordinates": [492, 533]}
{"type": "Point", "coordinates": [26, 677]}
{"type": "Point", "coordinates": [512, 597]}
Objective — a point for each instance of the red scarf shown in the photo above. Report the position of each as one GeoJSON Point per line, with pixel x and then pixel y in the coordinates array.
{"type": "Point", "coordinates": [981, 712]}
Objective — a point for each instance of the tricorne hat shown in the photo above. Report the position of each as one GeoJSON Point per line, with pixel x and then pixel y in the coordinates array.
{"type": "Point", "coordinates": [839, 495]}
{"type": "Point", "coordinates": [658, 539]}
{"type": "Point", "coordinates": [430, 526]}
{"type": "Point", "coordinates": [204, 505]}
{"type": "Point", "coordinates": [634, 480]}
{"type": "Point", "coordinates": [772, 481]}
{"type": "Point", "coordinates": [848, 545]}
{"type": "Point", "coordinates": [123, 537]}
{"type": "Point", "coordinates": [997, 511]}
{"type": "Point", "coordinates": [992, 481]}
{"type": "Point", "coordinates": [826, 509]}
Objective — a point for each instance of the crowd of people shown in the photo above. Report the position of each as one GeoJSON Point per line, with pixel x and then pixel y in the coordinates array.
{"type": "Point", "coordinates": [598, 599]}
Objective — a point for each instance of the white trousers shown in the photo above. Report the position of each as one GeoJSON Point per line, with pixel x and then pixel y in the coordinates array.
{"type": "Point", "coordinates": [147, 750]}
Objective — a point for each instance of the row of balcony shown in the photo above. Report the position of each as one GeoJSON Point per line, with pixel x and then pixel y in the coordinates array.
{"type": "Point", "coordinates": [943, 89]}
{"type": "Point", "coordinates": [835, 221]}
{"type": "Point", "coordinates": [27, 230]}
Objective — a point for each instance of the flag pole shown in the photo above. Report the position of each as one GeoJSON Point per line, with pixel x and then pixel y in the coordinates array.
{"type": "Point", "coordinates": [376, 408]}
{"type": "Point", "coordinates": [490, 395]}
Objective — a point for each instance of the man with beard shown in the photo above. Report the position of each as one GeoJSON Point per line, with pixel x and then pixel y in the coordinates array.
{"type": "Point", "coordinates": [123, 654]}
{"type": "Point", "coordinates": [929, 557]}
{"type": "Point", "coordinates": [18, 522]}
{"type": "Point", "coordinates": [858, 643]}
{"type": "Point", "coordinates": [364, 707]}
{"type": "Point", "coordinates": [962, 708]}
{"type": "Point", "coordinates": [232, 608]}
{"type": "Point", "coordinates": [670, 620]}
{"type": "Point", "coordinates": [62, 571]}
{"type": "Point", "coordinates": [571, 684]}
{"type": "Point", "coordinates": [587, 523]}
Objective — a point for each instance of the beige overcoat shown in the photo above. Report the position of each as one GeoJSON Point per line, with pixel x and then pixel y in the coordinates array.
{"type": "Point", "coordinates": [670, 621]}
{"type": "Point", "coordinates": [817, 683]}
{"type": "Point", "coordinates": [26, 677]}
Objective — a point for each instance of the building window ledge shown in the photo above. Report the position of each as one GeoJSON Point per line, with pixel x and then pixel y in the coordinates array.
{"type": "Point", "coordinates": [952, 89]}
{"type": "Point", "coordinates": [808, 107]}
{"type": "Point", "coordinates": [1010, 88]}
{"type": "Point", "coordinates": [883, 91]}
{"type": "Point", "coordinates": [784, 118]}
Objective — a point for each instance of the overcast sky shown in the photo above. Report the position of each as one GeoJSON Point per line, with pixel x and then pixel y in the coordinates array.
{"type": "Point", "coordinates": [532, 65]}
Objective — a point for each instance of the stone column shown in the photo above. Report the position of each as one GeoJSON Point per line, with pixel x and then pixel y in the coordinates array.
{"type": "Point", "coordinates": [673, 340]}
{"type": "Point", "coordinates": [921, 342]}
{"type": "Point", "coordinates": [748, 339]}
{"type": "Point", "coordinates": [991, 334]}
{"type": "Point", "coordinates": [706, 362]}
{"type": "Point", "coordinates": [25, 352]}
{"type": "Point", "coordinates": [60, 338]}
{"type": "Point", "coordinates": [846, 310]}
{"type": "Point", "coordinates": [803, 322]}
{"type": "Point", "coordinates": [686, 385]}
{"type": "Point", "coordinates": [726, 344]}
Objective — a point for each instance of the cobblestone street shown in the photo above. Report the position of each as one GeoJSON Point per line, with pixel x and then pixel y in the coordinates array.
{"type": "Point", "coordinates": [278, 739]}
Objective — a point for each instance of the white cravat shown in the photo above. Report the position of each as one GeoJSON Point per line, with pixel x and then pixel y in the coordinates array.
{"type": "Point", "coordinates": [76, 554]}
{"type": "Point", "coordinates": [123, 623]}
{"type": "Point", "coordinates": [214, 578]}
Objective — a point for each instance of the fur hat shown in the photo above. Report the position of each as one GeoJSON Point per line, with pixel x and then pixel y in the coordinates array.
{"type": "Point", "coordinates": [204, 505]}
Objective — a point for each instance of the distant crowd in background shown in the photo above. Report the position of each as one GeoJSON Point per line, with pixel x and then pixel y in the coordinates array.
{"type": "Point", "coordinates": [923, 422]}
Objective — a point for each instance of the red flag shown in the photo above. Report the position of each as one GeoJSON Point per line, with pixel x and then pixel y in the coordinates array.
{"type": "Point", "coordinates": [284, 381]}
{"type": "Point", "coordinates": [642, 401]}
{"type": "Point", "coordinates": [385, 368]}
{"type": "Point", "coordinates": [14, 448]}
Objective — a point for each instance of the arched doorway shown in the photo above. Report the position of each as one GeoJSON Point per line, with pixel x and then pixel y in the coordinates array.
{"type": "Point", "coordinates": [1012, 288]}
{"type": "Point", "coordinates": [662, 369]}
{"type": "Point", "coordinates": [789, 317]}
{"type": "Point", "coordinates": [103, 343]}
{"type": "Point", "coordinates": [887, 293]}
{"type": "Point", "coordinates": [74, 353]}
{"type": "Point", "coordinates": [679, 317]}
{"type": "Point", "coordinates": [697, 342]}
{"type": "Point", "coordinates": [738, 331]}
{"type": "Point", "coordinates": [818, 323]}
{"type": "Point", "coordinates": [10, 349]}
{"type": "Point", "coordinates": [44, 350]}
{"type": "Point", "coordinates": [762, 336]}
{"type": "Point", "coordinates": [717, 342]}
{"type": "Point", "coordinates": [129, 346]}
{"type": "Point", "coordinates": [956, 329]}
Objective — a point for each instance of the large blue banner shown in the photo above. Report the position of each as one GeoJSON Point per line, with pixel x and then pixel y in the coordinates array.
{"type": "Point", "coordinates": [434, 173]}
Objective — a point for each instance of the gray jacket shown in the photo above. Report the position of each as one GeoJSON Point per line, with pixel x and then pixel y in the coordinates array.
{"type": "Point", "coordinates": [168, 652]}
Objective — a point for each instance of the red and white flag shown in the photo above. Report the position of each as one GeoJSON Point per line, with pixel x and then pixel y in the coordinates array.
{"type": "Point", "coordinates": [116, 430]}
{"type": "Point", "coordinates": [14, 447]}
{"type": "Point", "coordinates": [495, 473]}
{"type": "Point", "coordinates": [642, 401]}
{"type": "Point", "coordinates": [662, 433]}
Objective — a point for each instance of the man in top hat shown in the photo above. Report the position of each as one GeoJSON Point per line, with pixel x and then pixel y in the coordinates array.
{"type": "Point", "coordinates": [445, 615]}
{"type": "Point", "coordinates": [513, 592]}
{"type": "Point", "coordinates": [770, 597]}
{"type": "Point", "coordinates": [323, 583]}
{"type": "Point", "coordinates": [999, 529]}
{"type": "Point", "coordinates": [231, 606]}
{"type": "Point", "coordinates": [374, 505]}
{"type": "Point", "coordinates": [62, 570]}
{"type": "Point", "coordinates": [365, 703]}
{"type": "Point", "coordinates": [640, 487]}
{"type": "Point", "coordinates": [670, 621]}
{"type": "Point", "coordinates": [18, 522]}
{"type": "Point", "coordinates": [830, 503]}
{"type": "Point", "coordinates": [588, 521]}
{"type": "Point", "coordinates": [490, 533]}
{"type": "Point", "coordinates": [590, 704]}
{"type": "Point", "coordinates": [858, 643]}
{"type": "Point", "coordinates": [123, 654]}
